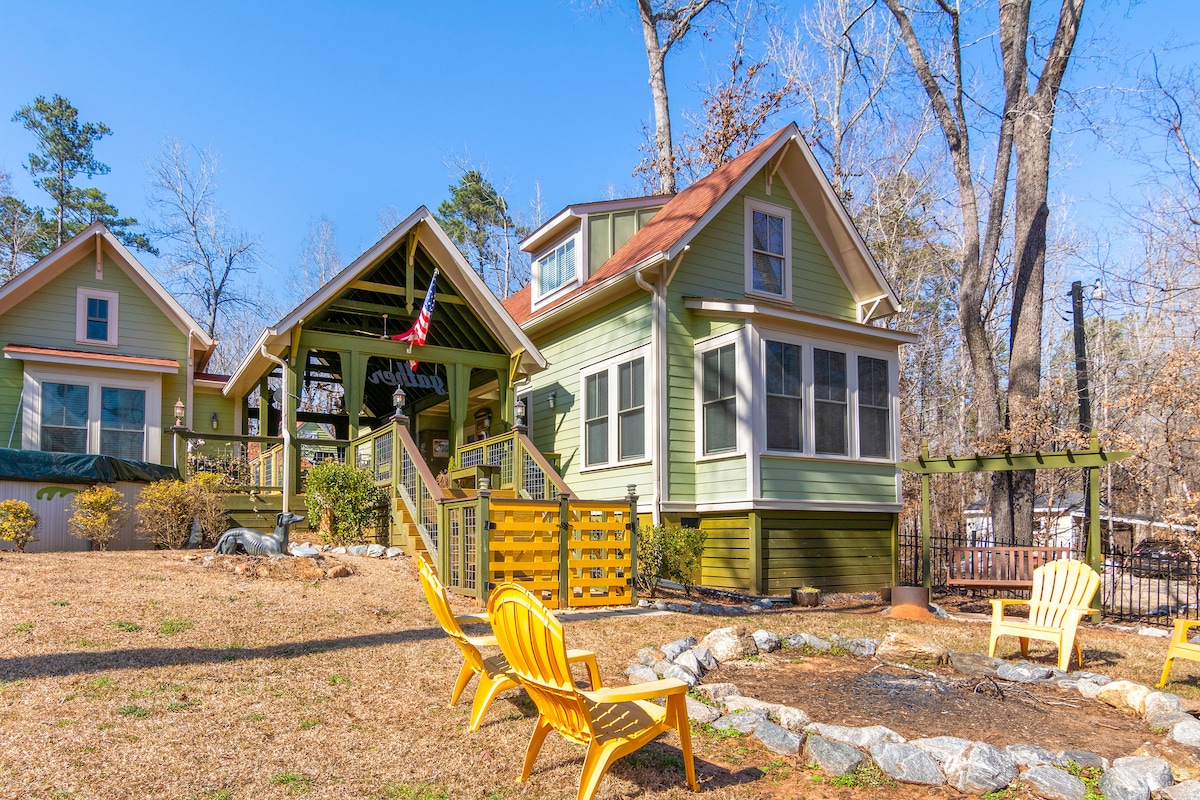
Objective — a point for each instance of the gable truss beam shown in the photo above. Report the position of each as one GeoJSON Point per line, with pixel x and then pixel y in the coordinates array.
{"type": "Point", "coordinates": [402, 291]}
{"type": "Point", "coordinates": [385, 348]}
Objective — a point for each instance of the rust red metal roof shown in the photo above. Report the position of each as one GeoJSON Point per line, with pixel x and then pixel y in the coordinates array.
{"type": "Point", "coordinates": [112, 358]}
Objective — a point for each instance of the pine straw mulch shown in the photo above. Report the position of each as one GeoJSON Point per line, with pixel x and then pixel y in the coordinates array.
{"type": "Point", "coordinates": [130, 675]}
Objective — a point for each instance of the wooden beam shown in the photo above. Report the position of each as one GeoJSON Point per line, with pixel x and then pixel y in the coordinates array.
{"type": "Point", "coordinates": [386, 348]}
{"type": "Point", "coordinates": [409, 279]}
{"type": "Point", "coordinates": [401, 291]}
{"type": "Point", "coordinates": [1009, 462]}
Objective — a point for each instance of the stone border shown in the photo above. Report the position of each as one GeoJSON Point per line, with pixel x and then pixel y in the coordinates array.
{"type": "Point", "coordinates": [972, 767]}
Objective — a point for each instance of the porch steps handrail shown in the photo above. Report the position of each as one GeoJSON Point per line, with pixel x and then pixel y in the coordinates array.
{"type": "Point", "coordinates": [425, 483]}
{"type": "Point", "coordinates": [536, 456]}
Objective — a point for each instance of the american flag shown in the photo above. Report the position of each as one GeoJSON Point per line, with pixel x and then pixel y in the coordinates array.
{"type": "Point", "coordinates": [420, 329]}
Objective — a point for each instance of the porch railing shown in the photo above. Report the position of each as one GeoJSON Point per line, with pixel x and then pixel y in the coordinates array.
{"type": "Point", "coordinates": [519, 465]}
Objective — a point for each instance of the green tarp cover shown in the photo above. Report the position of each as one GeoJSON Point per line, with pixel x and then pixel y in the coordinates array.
{"type": "Point", "coordinates": [33, 465]}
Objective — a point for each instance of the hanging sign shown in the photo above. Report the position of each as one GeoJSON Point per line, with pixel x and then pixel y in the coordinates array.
{"type": "Point", "coordinates": [401, 375]}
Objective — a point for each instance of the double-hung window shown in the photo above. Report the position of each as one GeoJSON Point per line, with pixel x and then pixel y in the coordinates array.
{"type": "Point", "coordinates": [64, 418]}
{"type": "Point", "coordinates": [831, 402]}
{"type": "Point", "coordinates": [874, 408]}
{"type": "Point", "coordinates": [719, 399]}
{"type": "Point", "coordinates": [71, 413]}
{"type": "Point", "coordinates": [614, 412]}
{"type": "Point", "coordinates": [785, 397]}
{"type": "Point", "coordinates": [123, 423]}
{"type": "Point", "coordinates": [557, 268]}
{"type": "Point", "coordinates": [768, 250]}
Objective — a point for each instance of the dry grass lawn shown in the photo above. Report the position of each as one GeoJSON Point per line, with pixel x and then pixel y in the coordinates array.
{"type": "Point", "coordinates": [133, 675]}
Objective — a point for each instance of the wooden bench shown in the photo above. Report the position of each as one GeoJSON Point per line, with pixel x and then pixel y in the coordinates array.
{"type": "Point", "coordinates": [999, 567]}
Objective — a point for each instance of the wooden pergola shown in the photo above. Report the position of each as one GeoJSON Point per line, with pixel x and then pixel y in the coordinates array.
{"type": "Point", "coordinates": [1091, 459]}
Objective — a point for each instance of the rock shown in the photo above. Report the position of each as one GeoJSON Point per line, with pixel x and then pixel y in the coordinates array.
{"type": "Point", "coordinates": [858, 647]}
{"type": "Point", "coordinates": [680, 608]}
{"type": "Point", "coordinates": [661, 605]}
{"type": "Point", "coordinates": [1184, 760]}
{"type": "Point", "coordinates": [942, 748]}
{"type": "Point", "coordinates": [730, 644]}
{"type": "Point", "coordinates": [716, 691]}
{"type": "Point", "coordinates": [699, 712]}
{"type": "Point", "coordinates": [641, 674]}
{"type": "Point", "coordinates": [1184, 790]}
{"type": "Point", "coordinates": [672, 650]}
{"type": "Point", "coordinates": [1154, 771]}
{"type": "Point", "coordinates": [1084, 759]}
{"type": "Point", "coordinates": [680, 673]}
{"type": "Point", "coordinates": [742, 721]}
{"type": "Point", "coordinates": [798, 640]}
{"type": "Point", "coordinates": [1158, 703]}
{"type": "Point", "coordinates": [1030, 755]}
{"type": "Point", "coordinates": [688, 661]}
{"type": "Point", "coordinates": [907, 764]}
{"type": "Point", "coordinates": [975, 664]}
{"type": "Point", "coordinates": [705, 657]}
{"type": "Point", "coordinates": [1186, 732]}
{"type": "Point", "coordinates": [1094, 677]}
{"type": "Point", "coordinates": [1022, 672]}
{"type": "Point", "coordinates": [302, 551]}
{"type": "Point", "coordinates": [1165, 720]}
{"type": "Point", "coordinates": [643, 603]}
{"type": "Point", "coordinates": [736, 702]}
{"type": "Point", "coordinates": [1067, 684]}
{"type": "Point", "coordinates": [859, 737]}
{"type": "Point", "coordinates": [1089, 688]}
{"type": "Point", "coordinates": [981, 768]}
{"type": "Point", "coordinates": [777, 739]}
{"type": "Point", "coordinates": [338, 571]}
{"type": "Point", "coordinates": [766, 641]}
{"type": "Point", "coordinates": [1123, 784]}
{"type": "Point", "coordinates": [792, 718]}
{"type": "Point", "coordinates": [907, 648]}
{"type": "Point", "coordinates": [393, 552]}
{"type": "Point", "coordinates": [648, 656]}
{"type": "Point", "coordinates": [832, 756]}
{"type": "Point", "coordinates": [1053, 783]}
{"type": "Point", "coordinates": [338, 551]}
{"type": "Point", "coordinates": [1124, 694]}
{"type": "Point", "coordinates": [357, 550]}
{"type": "Point", "coordinates": [661, 667]}
{"type": "Point", "coordinates": [376, 550]}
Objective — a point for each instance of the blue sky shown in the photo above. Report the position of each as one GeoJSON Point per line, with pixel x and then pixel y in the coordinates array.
{"type": "Point", "coordinates": [345, 109]}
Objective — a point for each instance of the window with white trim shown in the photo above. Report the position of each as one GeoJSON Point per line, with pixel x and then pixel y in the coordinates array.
{"type": "Point", "coordinates": [768, 250]}
{"type": "Point", "coordinates": [96, 316]}
{"type": "Point", "coordinates": [78, 413]}
{"type": "Point", "coordinates": [614, 412]}
{"type": "Point", "coordinates": [64, 418]}
{"type": "Point", "coordinates": [820, 401]}
{"type": "Point", "coordinates": [557, 268]}
{"type": "Point", "coordinates": [122, 422]}
{"type": "Point", "coordinates": [718, 399]}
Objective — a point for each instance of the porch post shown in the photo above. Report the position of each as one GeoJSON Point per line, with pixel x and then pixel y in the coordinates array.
{"type": "Point", "coordinates": [926, 524]}
{"type": "Point", "coordinates": [507, 409]}
{"type": "Point", "coordinates": [293, 381]}
{"type": "Point", "coordinates": [264, 407]}
{"type": "Point", "coordinates": [354, 378]}
{"type": "Point", "coordinates": [459, 386]}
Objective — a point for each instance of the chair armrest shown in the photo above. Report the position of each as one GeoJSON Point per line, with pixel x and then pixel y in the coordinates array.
{"type": "Point", "coordinates": [471, 619]}
{"type": "Point", "coordinates": [588, 659]}
{"type": "Point", "coordinates": [482, 641]}
{"type": "Point", "coordinates": [1002, 604]}
{"type": "Point", "coordinates": [638, 691]}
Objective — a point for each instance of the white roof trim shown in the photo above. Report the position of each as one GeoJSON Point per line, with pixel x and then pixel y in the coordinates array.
{"type": "Point", "coordinates": [50, 267]}
{"type": "Point", "coordinates": [770, 312]}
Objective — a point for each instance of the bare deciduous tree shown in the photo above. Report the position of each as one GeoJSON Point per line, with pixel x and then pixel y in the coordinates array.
{"type": "Point", "coordinates": [320, 259]}
{"type": "Point", "coordinates": [206, 256]}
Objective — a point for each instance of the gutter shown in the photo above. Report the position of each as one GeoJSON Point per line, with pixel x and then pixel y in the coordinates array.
{"type": "Point", "coordinates": [287, 434]}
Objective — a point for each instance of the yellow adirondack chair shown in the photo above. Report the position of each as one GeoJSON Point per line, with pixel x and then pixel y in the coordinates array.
{"type": "Point", "coordinates": [610, 722]}
{"type": "Point", "coordinates": [493, 671]}
{"type": "Point", "coordinates": [1061, 596]}
{"type": "Point", "coordinates": [1180, 647]}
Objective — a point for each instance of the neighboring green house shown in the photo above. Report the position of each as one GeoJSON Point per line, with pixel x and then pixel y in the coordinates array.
{"type": "Point", "coordinates": [714, 348]}
{"type": "Point", "coordinates": [97, 354]}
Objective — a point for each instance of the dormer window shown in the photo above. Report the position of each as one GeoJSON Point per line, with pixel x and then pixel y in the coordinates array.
{"type": "Point", "coordinates": [96, 317]}
{"type": "Point", "coordinates": [557, 268]}
{"type": "Point", "coordinates": [768, 250]}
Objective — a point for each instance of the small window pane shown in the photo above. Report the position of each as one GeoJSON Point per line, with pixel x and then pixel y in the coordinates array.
{"type": "Point", "coordinates": [122, 423]}
{"type": "Point", "coordinates": [831, 428]}
{"type": "Point", "coordinates": [596, 419]}
{"type": "Point", "coordinates": [631, 419]}
{"type": "Point", "coordinates": [557, 268]}
{"type": "Point", "coordinates": [767, 258]}
{"type": "Point", "coordinates": [784, 397]}
{"type": "Point", "coordinates": [64, 418]}
{"type": "Point", "coordinates": [632, 434]}
{"type": "Point", "coordinates": [97, 319]}
{"type": "Point", "coordinates": [783, 424]}
{"type": "Point", "coordinates": [719, 368]}
{"type": "Point", "coordinates": [830, 394]}
{"type": "Point", "coordinates": [874, 408]}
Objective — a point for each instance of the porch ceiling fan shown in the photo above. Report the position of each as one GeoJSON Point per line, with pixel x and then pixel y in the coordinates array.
{"type": "Point", "coordinates": [375, 335]}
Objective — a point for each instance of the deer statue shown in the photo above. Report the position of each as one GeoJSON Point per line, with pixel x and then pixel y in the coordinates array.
{"type": "Point", "coordinates": [244, 540]}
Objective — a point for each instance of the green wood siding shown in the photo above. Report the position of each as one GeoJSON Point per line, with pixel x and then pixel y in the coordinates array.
{"type": "Point", "coordinates": [47, 318]}
{"type": "Point", "coordinates": [715, 265]}
{"type": "Point", "coordinates": [724, 479]}
{"type": "Point", "coordinates": [203, 406]}
{"type": "Point", "coordinates": [727, 561]}
{"type": "Point", "coordinates": [802, 479]}
{"type": "Point", "coordinates": [602, 334]}
{"type": "Point", "coordinates": [834, 551]}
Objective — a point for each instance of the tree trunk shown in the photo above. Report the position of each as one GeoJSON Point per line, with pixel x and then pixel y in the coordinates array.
{"type": "Point", "coordinates": [656, 56]}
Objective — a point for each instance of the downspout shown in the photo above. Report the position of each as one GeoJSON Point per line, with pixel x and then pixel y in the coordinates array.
{"type": "Point", "coordinates": [283, 427]}
{"type": "Point", "coordinates": [660, 465]}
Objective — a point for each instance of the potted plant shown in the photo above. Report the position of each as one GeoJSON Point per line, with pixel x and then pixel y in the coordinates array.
{"type": "Point", "coordinates": [807, 596]}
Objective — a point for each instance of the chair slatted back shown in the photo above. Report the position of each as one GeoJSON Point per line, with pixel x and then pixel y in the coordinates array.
{"type": "Point", "coordinates": [439, 603]}
{"type": "Point", "coordinates": [1058, 587]}
{"type": "Point", "coordinates": [533, 644]}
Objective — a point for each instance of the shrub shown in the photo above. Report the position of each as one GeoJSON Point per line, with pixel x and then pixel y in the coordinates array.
{"type": "Point", "coordinates": [17, 523]}
{"type": "Point", "coordinates": [342, 501]}
{"type": "Point", "coordinates": [98, 515]}
{"type": "Point", "coordinates": [164, 513]}
{"type": "Point", "coordinates": [668, 552]}
{"type": "Point", "coordinates": [209, 489]}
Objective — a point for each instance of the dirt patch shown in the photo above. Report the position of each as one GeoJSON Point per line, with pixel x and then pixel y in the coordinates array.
{"type": "Point", "coordinates": [857, 692]}
{"type": "Point", "coordinates": [309, 570]}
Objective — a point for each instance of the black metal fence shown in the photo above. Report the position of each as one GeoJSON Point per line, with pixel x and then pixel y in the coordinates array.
{"type": "Point", "coordinates": [1147, 589]}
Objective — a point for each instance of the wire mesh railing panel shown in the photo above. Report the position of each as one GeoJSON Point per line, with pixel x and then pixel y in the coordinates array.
{"type": "Point", "coordinates": [408, 477]}
{"type": "Point", "coordinates": [454, 578]}
{"type": "Point", "coordinates": [223, 458]}
{"type": "Point", "coordinates": [500, 454]}
{"type": "Point", "coordinates": [472, 457]}
{"type": "Point", "coordinates": [429, 514]}
{"type": "Point", "coordinates": [533, 479]}
{"type": "Point", "coordinates": [383, 457]}
{"type": "Point", "coordinates": [470, 548]}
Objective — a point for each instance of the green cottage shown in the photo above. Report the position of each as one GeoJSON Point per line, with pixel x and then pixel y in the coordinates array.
{"type": "Point", "coordinates": [715, 348]}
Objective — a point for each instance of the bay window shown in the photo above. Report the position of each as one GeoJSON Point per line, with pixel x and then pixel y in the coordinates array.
{"type": "Point", "coordinates": [719, 399]}
{"type": "Point", "coordinates": [830, 402]}
{"type": "Point", "coordinates": [785, 397]}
